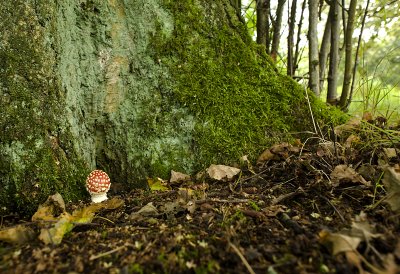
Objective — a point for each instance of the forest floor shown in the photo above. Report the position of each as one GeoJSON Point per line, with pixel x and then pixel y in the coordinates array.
{"type": "Point", "coordinates": [313, 207]}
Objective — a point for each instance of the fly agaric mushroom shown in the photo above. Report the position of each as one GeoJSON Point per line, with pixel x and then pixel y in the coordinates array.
{"type": "Point", "coordinates": [97, 184]}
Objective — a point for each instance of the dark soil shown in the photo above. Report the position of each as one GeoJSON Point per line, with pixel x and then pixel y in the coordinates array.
{"type": "Point", "coordinates": [272, 219]}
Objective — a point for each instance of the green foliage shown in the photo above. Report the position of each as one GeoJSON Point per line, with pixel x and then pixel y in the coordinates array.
{"type": "Point", "coordinates": [254, 206]}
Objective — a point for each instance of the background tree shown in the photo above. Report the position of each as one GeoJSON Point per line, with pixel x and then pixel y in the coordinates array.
{"type": "Point", "coordinates": [334, 53]}
{"type": "Point", "coordinates": [277, 24]}
{"type": "Point", "coordinates": [313, 46]}
{"type": "Point", "coordinates": [263, 7]}
{"type": "Point", "coordinates": [348, 63]}
{"type": "Point", "coordinates": [292, 22]}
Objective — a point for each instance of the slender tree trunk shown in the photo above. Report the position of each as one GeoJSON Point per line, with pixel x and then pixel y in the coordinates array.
{"type": "Point", "coordinates": [324, 50]}
{"type": "Point", "coordinates": [237, 4]}
{"type": "Point", "coordinates": [262, 22]}
{"type": "Point", "coordinates": [356, 55]}
{"type": "Point", "coordinates": [334, 55]}
{"type": "Point", "coordinates": [277, 29]}
{"type": "Point", "coordinates": [297, 53]}
{"type": "Point", "coordinates": [292, 21]}
{"type": "Point", "coordinates": [348, 54]}
{"type": "Point", "coordinates": [313, 46]}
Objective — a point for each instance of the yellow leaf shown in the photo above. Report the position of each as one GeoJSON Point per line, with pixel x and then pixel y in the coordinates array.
{"type": "Point", "coordinates": [157, 184]}
{"type": "Point", "coordinates": [48, 211]}
{"type": "Point", "coordinates": [55, 234]}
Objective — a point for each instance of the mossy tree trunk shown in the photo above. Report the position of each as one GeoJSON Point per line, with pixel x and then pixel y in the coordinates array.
{"type": "Point", "coordinates": [136, 88]}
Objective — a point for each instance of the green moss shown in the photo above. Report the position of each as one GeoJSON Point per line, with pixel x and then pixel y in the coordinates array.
{"type": "Point", "coordinates": [242, 104]}
{"type": "Point", "coordinates": [33, 164]}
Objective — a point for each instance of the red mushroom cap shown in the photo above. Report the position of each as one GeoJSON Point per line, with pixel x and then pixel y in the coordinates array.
{"type": "Point", "coordinates": [98, 182]}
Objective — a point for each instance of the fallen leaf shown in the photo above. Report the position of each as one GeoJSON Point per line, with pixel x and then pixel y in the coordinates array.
{"type": "Point", "coordinates": [391, 181]}
{"type": "Point", "coordinates": [266, 156]}
{"type": "Point", "coordinates": [178, 177]}
{"type": "Point", "coordinates": [17, 235]}
{"type": "Point", "coordinates": [390, 152]}
{"type": "Point", "coordinates": [157, 184]}
{"type": "Point", "coordinates": [55, 234]}
{"type": "Point", "coordinates": [363, 229]}
{"type": "Point", "coordinates": [273, 210]}
{"type": "Point", "coordinates": [340, 242]}
{"type": "Point", "coordinates": [185, 194]}
{"type": "Point", "coordinates": [65, 222]}
{"type": "Point", "coordinates": [354, 259]}
{"type": "Point", "coordinates": [391, 267]}
{"type": "Point", "coordinates": [350, 140]}
{"type": "Point", "coordinates": [347, 127]}
{"type": "Point", "coordinates": [49, 210]}
{"type": "Point", "coordinates": [344, 173]}
{"type": "Point", "coordinates": [148, 210]}
{"type": "Point", "coordinates": [222, 173]}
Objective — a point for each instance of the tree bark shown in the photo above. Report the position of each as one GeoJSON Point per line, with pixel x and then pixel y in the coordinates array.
{"type": "Point", "coordinates": [313, 46]}
{"type": "Point", "coordinates": [277, 29]}
{"type": "Point", "coordinates": [299, 27]}
{"type": "Point", "coordinates": [237, 4]}
{"type": "Point", "coordinates": [292, 23]}
{"type": "Point", "coordinates": [348, 54]}
{"type": "Point", "coordinates": [324, 50]}
{"type": "Point", "coordinates": [334, 55]}
{"type": "Point", "coordinates": [263, 23]}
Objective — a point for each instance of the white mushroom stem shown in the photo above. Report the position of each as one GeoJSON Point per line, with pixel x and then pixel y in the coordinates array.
{"type": "Point", "coordinates": [98, 197]}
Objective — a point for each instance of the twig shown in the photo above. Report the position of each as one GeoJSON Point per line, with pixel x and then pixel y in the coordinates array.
{"type": "Point", "coordinates": [105, 219]}
{"type": "Point", "coordinates": [333, 206]}
{"type": "Point", "coordinates": [94, 257]}
{"type": "Point", "coordinates": [311, 112]}
{"type": "Point", "coordinates": [286, 196]}
{"type": "Point", "coordinates": [236, 201]}
{"type": "Point", "coordinates": [244, 261]}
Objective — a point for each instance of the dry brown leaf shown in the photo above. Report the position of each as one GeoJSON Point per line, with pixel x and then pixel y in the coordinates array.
{"type": "Point", "coordinates": [340, 242]}
{"type": "Point", "coordinates": [17, 234]}
{"type": "Point", "coordinates": [351, 139]}
{"type": "Point", "coordinates": [49, 210]}
{"type": "Point", "coordinates": [353, 258]}
{"type": "Point", "coordinates": [178, 177]}
{"type": "Point", "coordinates": [391, 267]}
{"type": "Point", "coordinates": [344, 173]}
{"type": "Point", "coordinates": [273, 210]}
{"type": "Point", "coordinates": [363, 229]}
{"type": "Point", "coordinates": [391, 180]}
{"type": "Point", "coordinates": [349, 126]}
{"type": "Point", "coordinates": [222, 173]}
{"type": "Point", "coordinates": [267, 155]}
{"type": "Point", "coordinates": [390, 152]}
{"type": "Point", "coordinates": [148, 210]}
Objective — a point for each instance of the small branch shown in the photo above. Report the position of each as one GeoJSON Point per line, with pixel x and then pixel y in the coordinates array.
{"type": "Point", "coordinates": [94, 257]}
{"type": "Point", "coordinates": [244, 261]}
{"type": "Point", "coordinates": [286, 196]}
{"type": "Point", "coordinates": [236, 201]}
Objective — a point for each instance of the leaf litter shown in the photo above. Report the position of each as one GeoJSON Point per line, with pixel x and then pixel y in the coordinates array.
{"type": "Point", "coordinates": [321, 207]}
